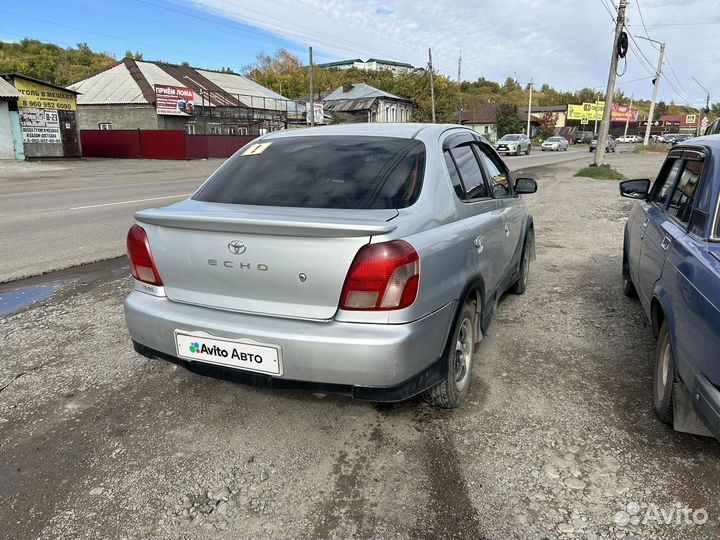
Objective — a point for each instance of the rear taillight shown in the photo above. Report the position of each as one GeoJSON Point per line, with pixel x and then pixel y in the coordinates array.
{"type": "Point", "coordinates": [383, 276]}
{"type": "Point", "coordinates": [142, 264]}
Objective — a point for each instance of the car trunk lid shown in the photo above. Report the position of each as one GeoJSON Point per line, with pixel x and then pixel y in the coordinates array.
{"type": "Point", "coordinates": [288, 262]}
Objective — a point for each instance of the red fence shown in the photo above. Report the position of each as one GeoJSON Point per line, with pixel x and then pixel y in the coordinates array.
{"type": "Point", "coordinates": [158, 144]}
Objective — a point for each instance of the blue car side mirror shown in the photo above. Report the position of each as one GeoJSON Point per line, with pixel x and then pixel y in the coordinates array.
{"type": "Point", "coordinates": [635, 189]}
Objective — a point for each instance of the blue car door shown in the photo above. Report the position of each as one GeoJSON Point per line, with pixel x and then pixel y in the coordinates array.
{"type": "Point", "coordinates": [656, 236]}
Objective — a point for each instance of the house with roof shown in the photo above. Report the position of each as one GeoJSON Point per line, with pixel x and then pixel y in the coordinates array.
{"type": "Point", "coordinates": [360, 102]}
{"type": "Point", "coordinates": [371, 64]}
{"type": "Point", "coordinates": [484, 120]}
{"type": "Point", "coordinates": [135, 94]}
{"type": "Point", "coordinates": [47, 115]}
{"type": "Point", "coordinates": [11, 145]}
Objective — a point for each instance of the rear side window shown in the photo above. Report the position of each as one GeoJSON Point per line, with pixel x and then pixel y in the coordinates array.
{"type": "Point", "coordinates": [322, 172]}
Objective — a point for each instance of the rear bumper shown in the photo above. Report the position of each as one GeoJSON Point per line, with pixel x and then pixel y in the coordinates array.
{"type": "Point", "coordinates": [353, 356]}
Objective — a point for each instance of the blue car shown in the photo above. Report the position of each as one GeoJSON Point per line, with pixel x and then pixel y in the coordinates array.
{"type": "Point", "coordinates": [671, 261]}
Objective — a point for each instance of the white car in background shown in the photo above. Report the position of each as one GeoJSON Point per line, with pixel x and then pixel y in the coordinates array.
{"type": "Point", "coordinates": [629, 139]}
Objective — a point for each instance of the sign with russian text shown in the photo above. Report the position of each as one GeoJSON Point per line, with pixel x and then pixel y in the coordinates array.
{"type": "Point", "coordinates": [40, 126]}
{"type": "Point", "coordinates": [39, 96]}
{"type": "Point", "coordinates": [592, 111]}
{"type": "Point", "coordinates": [174, 100]}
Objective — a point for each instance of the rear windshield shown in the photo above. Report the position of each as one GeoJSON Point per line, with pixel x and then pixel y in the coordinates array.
{"type": "Point", "coordinates": [321, 172]}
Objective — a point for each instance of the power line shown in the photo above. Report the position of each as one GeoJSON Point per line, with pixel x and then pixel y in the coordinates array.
{"type": "Point", "coordinates": [124, 39]}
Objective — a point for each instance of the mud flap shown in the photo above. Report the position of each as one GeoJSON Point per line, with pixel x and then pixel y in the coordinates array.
{"type": "Point", "coordinates": [685, 419]}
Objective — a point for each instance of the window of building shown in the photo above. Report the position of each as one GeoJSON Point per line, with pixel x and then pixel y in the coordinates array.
{"type": "Point", "coordinates": [214, 129]}
{"type": "Point", "coordinates": [387, 113]}
{"type": "Point", "coordinates": [190, 129]}
{"type": "Point", "coordinates": [105, 126]}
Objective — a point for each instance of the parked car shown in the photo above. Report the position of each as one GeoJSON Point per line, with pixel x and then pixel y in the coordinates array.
{"type": "Point", "coordinates": [364, 259]}
{"type": "Point", "coordinates": [680, 138]}
{"type": "Point", "coordinates": [610, 145]}
{"type": "Point", "coordinates": [555, 143]}
{"type": "Point", "coordinates": [669, 138]}
{"type": "Point", "coordinates": [514, 143]}
{"type": "Point", "coordinates": [628, 139]}
{"type": "Point", "coordinates": [671, 261]}
{"type": "Point", "coordinates": [656, 138]}
{"type": "Point", "coordinates": [583, 137]}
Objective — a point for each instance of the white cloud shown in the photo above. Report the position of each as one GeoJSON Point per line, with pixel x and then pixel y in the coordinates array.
{"type": "Point", "coordinates": [565, 43]}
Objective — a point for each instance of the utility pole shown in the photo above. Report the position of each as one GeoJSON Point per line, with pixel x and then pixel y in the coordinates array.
{"type": "Point", "coordinates": [432, 85]}
{"type": "Point", "coordinates": [610, 93]}
{"type": "Point", "coordinates": [658, 74]}
{"type": "Point", "coordinates": [627, 120]}
{"type": "Point", "coordinates": [312, 91]}
{"type": "Point", "coordinates": [529, 107]}
{"type": "Point", "coordinates": [597, 100]}
{"type": "Point", "coordinates": [461, 109]}
{"type": "Point", "coordinates": [707, 101]}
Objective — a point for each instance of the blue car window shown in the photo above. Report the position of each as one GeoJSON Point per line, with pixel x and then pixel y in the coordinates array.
{"type": "Point", "coordinates": [682, 199]}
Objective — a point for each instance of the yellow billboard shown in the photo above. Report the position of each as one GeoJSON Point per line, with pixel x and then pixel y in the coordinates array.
{"type": "Point", "coordinates": [39, 96]}
{"type": "Point", "coordinates": [586, 111]}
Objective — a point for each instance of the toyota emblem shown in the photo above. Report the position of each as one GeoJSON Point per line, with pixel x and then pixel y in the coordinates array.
{"type": "Point", "coordinates": [236, 247]}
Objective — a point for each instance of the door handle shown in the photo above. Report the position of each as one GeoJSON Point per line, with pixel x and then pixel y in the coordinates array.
{"type": "Point", "coordinates": [665, 244]}
{"type": "Point", "coordinates": [479, 244]}
{"type": "Point", "coordinates": [507, 229]}
{"type": "Point", "coordinates": [645, 223]}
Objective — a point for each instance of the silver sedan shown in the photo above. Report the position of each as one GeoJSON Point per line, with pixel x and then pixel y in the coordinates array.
{"type": "Point", "coordinates": [555, 143]}
{"type": "Point", "coordinates": [363, 259]}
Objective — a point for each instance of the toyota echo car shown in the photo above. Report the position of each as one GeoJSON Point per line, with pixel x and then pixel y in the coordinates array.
{"type": "Point", "coordinates": [365, 260]}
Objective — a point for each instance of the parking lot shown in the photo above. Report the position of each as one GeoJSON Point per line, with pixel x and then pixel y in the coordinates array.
{"type": "Point", "coordinates": [557, 439]}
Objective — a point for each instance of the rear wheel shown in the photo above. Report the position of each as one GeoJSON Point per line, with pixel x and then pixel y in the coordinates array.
{"type": "Point", "coordinates": [527, 152]}
{"type": "Point", "coordinates": [520, 286]}
{"type": "Point", "coordinates": [664, 376]}
{"type": "Point", "coordinates": [449, 393]}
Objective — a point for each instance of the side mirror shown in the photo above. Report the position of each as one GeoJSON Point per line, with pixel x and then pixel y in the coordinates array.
{"type": "Point", "coordinates": [525, 186]}
{"type": "Point", "coordinates": [635, 189]}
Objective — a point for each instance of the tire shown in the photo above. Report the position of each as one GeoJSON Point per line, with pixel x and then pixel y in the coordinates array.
{"type": "Point", "coordinates": [629, 288]}
{"type": "Point", "coordinates": [542, 149]}
{"type": "Point", "coordinates": [520, 286]}
{"type": "Point", "coordinates": [527, 152]}
{"type": "Point", "coordinates": [664, 377]}
{"type": "Point", "coordinates": [451, 392]}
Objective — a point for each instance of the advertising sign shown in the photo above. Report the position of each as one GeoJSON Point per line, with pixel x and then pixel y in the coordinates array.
{"type": "Point", "coordinates": [40, 96]}
{"type": "Point", "coordinates": [319, 113]}
{"type": "Point", "coordinates": [621, 113]}
{"type": "Point", "coordinates": [587, 111]}
{"type": "Point", "coordinates": [174, 100]}
{"type": "Point", "coordinates": [40, 126]}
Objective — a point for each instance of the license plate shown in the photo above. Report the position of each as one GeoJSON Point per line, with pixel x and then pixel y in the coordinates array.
{"type": "Point", "coordinates": [245, 354]}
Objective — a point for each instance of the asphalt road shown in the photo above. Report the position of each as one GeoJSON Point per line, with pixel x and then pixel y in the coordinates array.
{"type": "Point", "coordinates": [557, 439]}
{"type": "Point", "coordinates": [55, 215]}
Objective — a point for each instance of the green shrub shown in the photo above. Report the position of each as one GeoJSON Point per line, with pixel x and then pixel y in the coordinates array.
{"type": "Point", "coordinates": [600, 173]}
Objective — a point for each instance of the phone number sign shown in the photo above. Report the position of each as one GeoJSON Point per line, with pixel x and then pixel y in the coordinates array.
{"type": "Point", "coordinates": [40, 126]}
{"type": "Point", "coordinates": [38, 96]}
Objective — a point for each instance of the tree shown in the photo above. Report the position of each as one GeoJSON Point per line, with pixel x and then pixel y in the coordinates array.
{"type": "Point", "coordinates": [134, 56]}
{"type": "Point", "coordinates": [508, 120]}
{"type": "Point", "coordinates": [547, 125]}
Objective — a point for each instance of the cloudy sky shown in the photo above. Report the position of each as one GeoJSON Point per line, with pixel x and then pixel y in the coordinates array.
{"type": "Point", "coordinates": [565, 43]}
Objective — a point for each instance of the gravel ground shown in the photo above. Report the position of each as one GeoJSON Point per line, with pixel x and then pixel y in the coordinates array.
{"type": "Point", "coordinates": [557, 439]}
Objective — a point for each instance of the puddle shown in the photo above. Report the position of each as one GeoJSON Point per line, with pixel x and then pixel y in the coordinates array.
{"type": "Point", "coordinates": [18, 299]}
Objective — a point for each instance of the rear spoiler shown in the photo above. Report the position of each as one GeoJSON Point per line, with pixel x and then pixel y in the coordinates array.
{"type": "Point", "coordinates": [275, 224]}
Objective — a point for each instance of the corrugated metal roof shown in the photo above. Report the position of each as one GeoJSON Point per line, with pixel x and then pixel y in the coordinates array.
{"type": "Point", "coordinates": [132, 81]}
{"type": "Point", "coordinates": [339, 105]}
{"type": "Point", "coordinates": [7, 90]}
{"type": "Point", "coordinates": [114, 85]}
{"type": "Point", "coordinates": [361, 90]}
